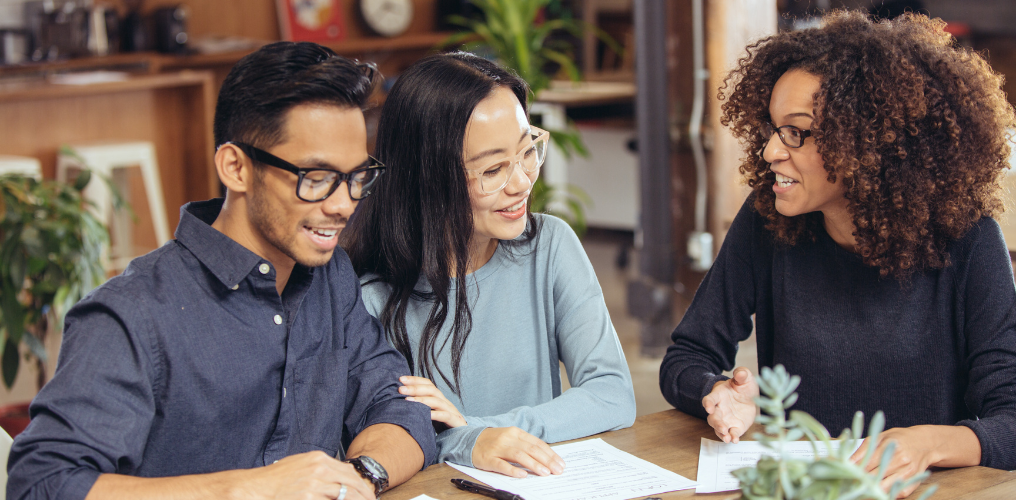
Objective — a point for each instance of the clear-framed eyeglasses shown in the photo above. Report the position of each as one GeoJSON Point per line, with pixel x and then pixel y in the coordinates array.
{"type": "Point", "coordinates": [791, 136]}
{"type": "Point", "coordinates": [495, 176]}
{"type": "Point", "coordinates": [317, 184]}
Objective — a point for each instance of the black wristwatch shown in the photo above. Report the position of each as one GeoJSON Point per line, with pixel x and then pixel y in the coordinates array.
{"type": "Point", "coordinates": [372, 471]}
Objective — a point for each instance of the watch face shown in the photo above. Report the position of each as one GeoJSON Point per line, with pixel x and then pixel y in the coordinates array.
{"type": "Point", "coordinates": [387, 17]}
{"type": "Point", "coordinates": [373, 467]}
{"type": "Point", "coordinates": [370, 469]}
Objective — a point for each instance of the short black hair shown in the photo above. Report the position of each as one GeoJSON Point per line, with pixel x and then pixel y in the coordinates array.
{"type": "Point", "coordinates": [266, 84]}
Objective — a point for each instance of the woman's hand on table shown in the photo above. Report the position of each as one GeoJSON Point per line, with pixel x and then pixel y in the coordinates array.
{"type": "Point", "coordinates": [918, 448]}
{"type": "Point", "coordinates": [424, 391]}
{"type": "Point", "coordinates": [497, 448]}
{"type": "Point", "coordinates": [731, 405]}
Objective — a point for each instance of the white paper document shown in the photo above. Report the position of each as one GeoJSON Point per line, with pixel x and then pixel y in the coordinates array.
{"type": "Point", "coordinates": [717, 459]}
{"type": "Point", "coordinates": [423, 497]}
{"type": "Point", "coordinates": [593, 470]}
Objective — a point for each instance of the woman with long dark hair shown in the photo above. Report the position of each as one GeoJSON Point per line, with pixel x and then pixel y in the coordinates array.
{"type": "Point", "coordinates": [484, 298]}
{"type": "Point", "coordinates": [867, 252]}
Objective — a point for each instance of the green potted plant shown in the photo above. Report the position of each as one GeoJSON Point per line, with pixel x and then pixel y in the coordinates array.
{"type": "Point", "coordinates": [50, 256]}
{"type": "Point", "coordinates": [516, 33]}
{"type": "Point", "coordinates": [829, 477]}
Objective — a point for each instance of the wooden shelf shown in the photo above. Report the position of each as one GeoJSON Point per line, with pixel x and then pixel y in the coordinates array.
{"type": "Point", "coordinates": [172, 110]}
{"type": "Point", "coordinates": [380, 44]}
{"type": "Point", "coordinates": [35, 89]}
{"type": "Point", "coordinates": [153, 62]}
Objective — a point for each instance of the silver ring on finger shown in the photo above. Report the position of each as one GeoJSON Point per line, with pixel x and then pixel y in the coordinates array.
{"type": "Point", "coordinates": [342, 492]}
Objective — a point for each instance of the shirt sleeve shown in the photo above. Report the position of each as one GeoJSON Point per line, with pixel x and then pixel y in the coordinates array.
{"type": "Point", "coordinates": [374, 370]}
{"type": "Point", "coordinates": [990, 329]}
{"type": "Point", "coordinates": [719, 317]}
{"type": "Point", "coordinates": [601, 397]}
{"type": "Point", "coordinates": [95, 416]}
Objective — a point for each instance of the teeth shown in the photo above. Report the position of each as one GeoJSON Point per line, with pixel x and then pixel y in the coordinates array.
{"type": "Point", "coordinates": [515, 207]}
{"type": "Point", "coordinates": [784, 181]}
{"type": "Point", "coordinates": [327, 233]}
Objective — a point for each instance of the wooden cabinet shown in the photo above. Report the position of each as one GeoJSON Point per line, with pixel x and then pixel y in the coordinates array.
{"type": "Point", "coordinates": [172, 110]}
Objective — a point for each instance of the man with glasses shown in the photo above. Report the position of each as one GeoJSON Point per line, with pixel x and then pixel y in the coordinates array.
{"type": "Point", "coordinates": [238, 361]}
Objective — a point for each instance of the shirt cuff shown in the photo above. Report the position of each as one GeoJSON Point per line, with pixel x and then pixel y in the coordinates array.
{"type": "Point", "coordinates": [411, 416]}
{"type": "Point", "coordinates": [455, 445]}
{"type": "Point", "coordinates": [998, 443]}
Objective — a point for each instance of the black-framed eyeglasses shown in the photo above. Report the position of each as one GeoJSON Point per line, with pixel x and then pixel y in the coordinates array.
{"type": "Point", "coordinates": [790, 135]}
{"type": "Point", "coordinates": [317, 184]}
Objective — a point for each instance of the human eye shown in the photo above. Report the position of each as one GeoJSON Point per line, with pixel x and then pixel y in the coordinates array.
{"type": "Point", "coordinates": [495, 170]}
{"type": "Point", "coordinates": [529, 152]}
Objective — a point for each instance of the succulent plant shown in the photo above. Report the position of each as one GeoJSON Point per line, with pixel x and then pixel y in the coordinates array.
{"type": "Point", "coordinates": [831, 476]}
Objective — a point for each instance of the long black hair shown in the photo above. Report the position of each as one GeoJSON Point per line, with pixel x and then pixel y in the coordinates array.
{"type": "Point", "coordinates": [419, 221]}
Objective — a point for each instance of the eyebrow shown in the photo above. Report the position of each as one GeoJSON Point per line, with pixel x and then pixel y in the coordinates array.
{"type": "Point", "coordinates": [796, 115]}
{"type": "Point", "coordinates": [492, 152]}
{"type": "Point", "coordinates": [313, 163]}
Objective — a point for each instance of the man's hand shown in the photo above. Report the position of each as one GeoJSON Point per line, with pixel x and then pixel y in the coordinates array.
{"type": "Point", "coordinates": [918, 448]}
{"type": "Point", "coordinates": [424, 391]}
{"type": "Point", "coordinates": [313, 475]}
{"type": "Point", "coordinates": [497, 448]}
{"type": "Point", "coordinates": [306, 476]}
{"type": "Point", "coordinates": [731, 406]}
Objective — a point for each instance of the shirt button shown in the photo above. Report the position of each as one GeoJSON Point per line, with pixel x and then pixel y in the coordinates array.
{"type": "Point", "coordinates": [278, 319]}
{"type": "Point", "coordinates": [236, 287]}
{"type": "Point", "coordinates": [264, 268]}
{"type": "Point", "coordinates": [283, 392]}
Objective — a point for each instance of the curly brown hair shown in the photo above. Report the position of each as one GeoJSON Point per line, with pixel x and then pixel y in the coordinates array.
{"type": "Point", "coordinates": [915, 125]}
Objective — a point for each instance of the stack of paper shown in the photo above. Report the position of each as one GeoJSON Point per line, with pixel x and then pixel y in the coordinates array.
{"type": "Point", "coordinates": [717, 459]}
{"type": "Point", "coordinates": [593, 470]}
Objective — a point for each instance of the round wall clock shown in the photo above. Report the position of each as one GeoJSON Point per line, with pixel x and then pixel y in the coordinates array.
{"type": "Point", "coordinates": [387, 17]}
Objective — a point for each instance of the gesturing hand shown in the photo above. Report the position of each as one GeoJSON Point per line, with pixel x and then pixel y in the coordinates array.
{"type": "Point", "coordinates": [424, 391]}
{"type": "Point", "coordinates": [312, 475]}
{"type": "Point", "coordinates": [497, 448]}
{"type": "Point", "coordinates": [731, 406]}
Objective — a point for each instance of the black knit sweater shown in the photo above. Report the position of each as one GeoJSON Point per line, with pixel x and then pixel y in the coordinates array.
{"type": "Point", "coordinates": [938, 349]}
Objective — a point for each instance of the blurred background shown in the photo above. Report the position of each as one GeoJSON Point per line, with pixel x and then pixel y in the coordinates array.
{"type": "Point", "coordinates": [640, 166]}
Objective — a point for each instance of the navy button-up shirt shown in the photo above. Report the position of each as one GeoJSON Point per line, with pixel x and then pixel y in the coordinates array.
{"type": "Point", "coordinates": [190, 362]}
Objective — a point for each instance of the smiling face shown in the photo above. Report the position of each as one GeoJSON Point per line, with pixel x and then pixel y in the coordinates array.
{"type": "Point", "coordinates": [802, 184]}
{"type": "Point", "coordinates": [285, 227]}
{"type": "Point", "coordinates": [498, 128]}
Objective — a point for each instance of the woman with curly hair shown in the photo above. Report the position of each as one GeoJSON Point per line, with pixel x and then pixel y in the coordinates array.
{"type": "Point", "coordinates": [867, 251]}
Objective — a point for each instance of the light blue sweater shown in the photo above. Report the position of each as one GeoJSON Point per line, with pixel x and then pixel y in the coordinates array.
{"type": "Point", "coordinates": [532, 305]}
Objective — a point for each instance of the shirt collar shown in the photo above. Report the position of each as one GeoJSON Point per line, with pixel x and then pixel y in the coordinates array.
{"type": "Point", "coordinates": [226, 259]}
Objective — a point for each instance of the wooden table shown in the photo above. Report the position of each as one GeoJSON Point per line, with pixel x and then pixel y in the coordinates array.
{"type": "Point", "coordinates": [671, 439]}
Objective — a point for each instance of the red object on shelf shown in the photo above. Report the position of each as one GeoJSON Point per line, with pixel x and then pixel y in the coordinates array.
{"type": "Point", "coordinates": [311, 20]}
{"type": "Point", "coordinates": [957, 29]}
{"type": "Point", "coordinates": [14, 418]}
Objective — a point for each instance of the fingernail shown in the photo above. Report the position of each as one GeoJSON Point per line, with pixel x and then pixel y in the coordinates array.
{"type": "Point", "coordinates": [544, 471]}
{"type": "Point", "coordinates": [403, 379]}
{"type": "Point", "coordinates": [410, 398]}
{"type": "Point", "coordinates": [520, 473]}
{"type": "Point", "coordinates": [557, 468]}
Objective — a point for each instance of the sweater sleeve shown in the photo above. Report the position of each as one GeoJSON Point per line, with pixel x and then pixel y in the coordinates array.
{"type": "Point", "coordinates": [601, 397]}
{"type": "Point", "coordinates": [706, 340]}
{"type": "Point", "coordinates": [990, 329]}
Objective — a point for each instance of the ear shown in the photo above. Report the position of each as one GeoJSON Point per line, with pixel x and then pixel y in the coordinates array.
{"type": "Point", "coordinates": [234, 168]}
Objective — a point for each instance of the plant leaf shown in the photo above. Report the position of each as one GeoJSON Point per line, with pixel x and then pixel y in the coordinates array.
{"type": "Point", "coordinates": [10, 362]}
{"type": "Point", "coordinates": [82, 181]}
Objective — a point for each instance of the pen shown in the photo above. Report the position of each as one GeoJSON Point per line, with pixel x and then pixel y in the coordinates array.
{"type": "Point", "coordinates": [487, 491]}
